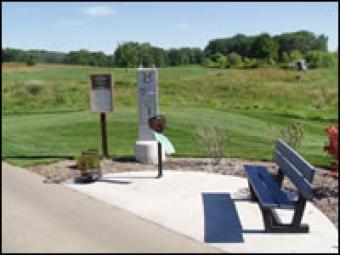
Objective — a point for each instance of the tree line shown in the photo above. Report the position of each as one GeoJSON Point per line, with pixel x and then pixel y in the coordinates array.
{"type": "Point", "coordinates": [237, 51]}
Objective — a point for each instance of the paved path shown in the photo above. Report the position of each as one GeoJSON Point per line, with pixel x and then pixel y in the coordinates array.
{"type": "Point", "coordinates": [211, 208]}
{"type": "Point", "coordinates": [38, 217]}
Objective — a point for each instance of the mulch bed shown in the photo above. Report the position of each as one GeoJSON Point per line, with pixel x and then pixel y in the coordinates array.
{"type": "Point", "coordinates": [325, 187]}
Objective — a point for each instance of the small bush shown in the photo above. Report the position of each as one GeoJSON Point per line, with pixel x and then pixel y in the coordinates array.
{"type": "Point", "coordinates": [34, 88]}
{"type": "Point", "coordinates": [333, 145]}
{"type": "Point", "coordinates": [88, 160]}
{"type": "Point", "coordinates": [214, 139]}
{"type": "Point", "coordinates": [292, 134]}
{"type": "Point", "coordinates": [207, 62]}
{"type": "Point", "coordinates": [234, 59]}
{"type": "Point", "coordinates": [30, 61]}
{"type": "Point", "coordinates": [320, 59]}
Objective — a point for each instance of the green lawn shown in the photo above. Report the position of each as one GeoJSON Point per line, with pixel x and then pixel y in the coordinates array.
{"type": "Point", "coordinates": [45, 111]}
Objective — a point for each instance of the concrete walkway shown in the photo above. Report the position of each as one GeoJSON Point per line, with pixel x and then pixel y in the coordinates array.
{"type": "Point", "coordinates": [49, 218]}
{"type": "Point", "coordinates": [211, 208]}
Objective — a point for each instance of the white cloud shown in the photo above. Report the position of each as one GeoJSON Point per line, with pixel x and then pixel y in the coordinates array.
{"type": "Point", "coordinates": [184, 26]}
{"type": "Point", "coordinates": [98, 11]}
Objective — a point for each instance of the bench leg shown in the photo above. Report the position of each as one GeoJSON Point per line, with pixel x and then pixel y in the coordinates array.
{"type": "Point", "coordinates": [267, 219]}
{"type": "Point", "coordinates": [303, 228]}
{"type": "Point", "coordinates": [273, 224]}
{"type": "Point", "coordinates": [252, 193]}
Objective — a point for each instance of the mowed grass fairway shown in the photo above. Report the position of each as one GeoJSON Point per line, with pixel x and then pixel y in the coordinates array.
{"type": "Point", "coordinates": [45, 110]}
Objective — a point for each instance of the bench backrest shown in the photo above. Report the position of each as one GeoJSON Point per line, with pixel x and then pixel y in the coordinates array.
{"type": "Point", "coordinates": [295, 167]}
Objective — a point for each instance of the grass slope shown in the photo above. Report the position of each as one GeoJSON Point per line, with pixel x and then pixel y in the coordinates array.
{"type": "Point", "coordinates": [45, 110]}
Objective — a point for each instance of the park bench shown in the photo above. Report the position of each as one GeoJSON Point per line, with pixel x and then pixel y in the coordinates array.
{"type": "Point", "coordinates": [266, 189]}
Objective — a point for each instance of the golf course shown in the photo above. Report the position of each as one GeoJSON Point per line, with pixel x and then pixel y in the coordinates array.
{"type": "Point", "coordinates": [46, 115]}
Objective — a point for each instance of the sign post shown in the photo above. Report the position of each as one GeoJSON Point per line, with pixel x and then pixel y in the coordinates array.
{"type": "Point", "coordinates": [157, 124]}
{"type": "Point", "coordinates": [101, 100]}
{"type": "Point", "coordinates": [104, 134]}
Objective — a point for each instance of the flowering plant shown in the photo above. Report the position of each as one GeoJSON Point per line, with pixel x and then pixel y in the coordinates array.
{"type": "Point", "coordinates": [333, 146]}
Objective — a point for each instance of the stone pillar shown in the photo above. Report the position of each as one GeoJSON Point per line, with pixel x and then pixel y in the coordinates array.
{"type": "Point", "coordinates": [147, 91]}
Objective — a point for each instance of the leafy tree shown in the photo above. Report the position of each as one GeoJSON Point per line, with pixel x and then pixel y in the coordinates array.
{"type": "Point", "coordinates": [197, 56]}
{"type": "Point", "coordinates": [295, 55]}
{"type": "Point", "coordinates": [303, 41]}
{"type": "Point", "coordinates": [219, 60]}
{"type": "Point", "coordinates": [234, 59]}
{"type": "Point", "coordinates": [9, 55]}
{"type": "Point", "coordinates": [144, 55]}
{"type": "Point", "coordinates": [259, 50]}
{"type": "Point", "coordinates": [320, 59]}
{"type": "Point", "coordinates": [264, 47]}
{"type": "Point", "coordinates": [126, 55]}
{"type": "Point", "coordinates": [174, 57]}
{"type": "Point", "coordinates": [30, 61]}
{"type": "Point", "coordinates": [249, 62]}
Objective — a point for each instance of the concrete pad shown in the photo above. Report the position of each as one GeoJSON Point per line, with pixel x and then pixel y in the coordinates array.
{"type": "Point", "coordinates": [211, 208]}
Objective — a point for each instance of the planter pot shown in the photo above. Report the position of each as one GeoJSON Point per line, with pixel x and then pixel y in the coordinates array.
{"type": "Point", "coordinates": [89, 177]}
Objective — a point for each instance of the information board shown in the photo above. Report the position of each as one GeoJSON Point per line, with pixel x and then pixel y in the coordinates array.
{"type": "Point", "coordinates": [101, 92]}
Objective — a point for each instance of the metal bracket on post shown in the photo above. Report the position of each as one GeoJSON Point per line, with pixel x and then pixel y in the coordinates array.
{"type": "Point", "coordinates": [160, 174]}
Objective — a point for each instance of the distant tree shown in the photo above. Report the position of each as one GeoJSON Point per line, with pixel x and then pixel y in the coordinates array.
{"type": "Point", "coordinates": [127, 55]}
{"type": "Point", "coordinates": [249, 62]}
{"type": "Point", "coordinates": [196, 56]}
{"type": "Point", "coordinates": [295, 55]}
{"type": "Point", "coordinates": [222, 61]}
{"type": "Point", "coordinates": [174, 57]}
{"type": "Point", "coordinates": [234, 59]}
{"type": "Point", "coordinates": [303, 41]}
{"type": "Point", "coordinates": [159, 56]}
{"type": "Point", "coordinates": [319, 43]}
{"type": "Point", "coordinates": [10, 55]}
{"type": "Point", "coordinates": [321, 59]}
{"type": "Point", "coordinates": [264, 47]}
{"type": "Point", "coordinates": [239, 43]}
{"type": "Point", "coordinates": [144, 53]}
{"type": "Point", "coordinates": [30, 61]}
{"type": "Point", "coordinates": [260, 50]}
{"type": "Point", "coordinates": [207, 62]}
{"type": "Point", "coordinates": [219, 59]}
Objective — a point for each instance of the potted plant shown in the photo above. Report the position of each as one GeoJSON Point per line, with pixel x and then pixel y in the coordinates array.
{"type": "Point", "coordinates": [89, 165]}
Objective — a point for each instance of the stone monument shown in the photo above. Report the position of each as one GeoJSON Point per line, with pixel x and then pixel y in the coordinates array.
{"type": "Point", "coordinates": [147, 90]}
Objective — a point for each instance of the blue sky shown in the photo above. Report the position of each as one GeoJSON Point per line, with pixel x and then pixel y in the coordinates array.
{"type": "Point", "coordinates": [99, 26]}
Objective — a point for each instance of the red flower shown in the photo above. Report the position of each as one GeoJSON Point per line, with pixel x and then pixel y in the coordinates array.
{"type": "Point", "coordinates": [333, 146]}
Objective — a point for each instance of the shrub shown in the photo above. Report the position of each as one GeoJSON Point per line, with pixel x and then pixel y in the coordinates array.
{"type": "Point", "coordinates": [271, 62]}
{"type": "Point", "coordinates": [295, 55]}
{"type": "Point", "coordinates": [249, 62]}
{"type": "Point", "coordinates": [214, 139]}
{"type": "Point", "coordinates": [207, 62]}
{"type": "Point", "coordinates": [321, 59]}
{"type": "Point", "coordinates": [88, 160]}
{"type": "Point", "coordinates": [222, 61]}
{"type": "Point", "coordinates": [262, 63]}
{"type": "Point", "coordinates": [234, 59]}
{"type": "Point", "coordinates": [333, 145]}
{"type": "Point", "coordinates": [34, 88]}
{"type": "Point", "coordinates": [292, 134]}
{"type": "Point", "coordinates": [30, 61]}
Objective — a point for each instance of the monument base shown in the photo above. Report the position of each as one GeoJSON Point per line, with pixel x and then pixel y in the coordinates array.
{"type": "Point", "coordinates": [147, 152]}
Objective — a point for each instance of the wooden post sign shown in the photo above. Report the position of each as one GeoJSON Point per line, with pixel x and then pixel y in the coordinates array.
{"type": "Point", "coordinates": [101, 92]}
{"type": "Point", "coordinates": [101, 100]}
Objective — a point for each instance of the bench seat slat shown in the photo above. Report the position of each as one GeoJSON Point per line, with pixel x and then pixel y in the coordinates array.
{"type": "Point", "coordinates": [279, 196]}
{"type": "Point", "coordinates": [261, 191]}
